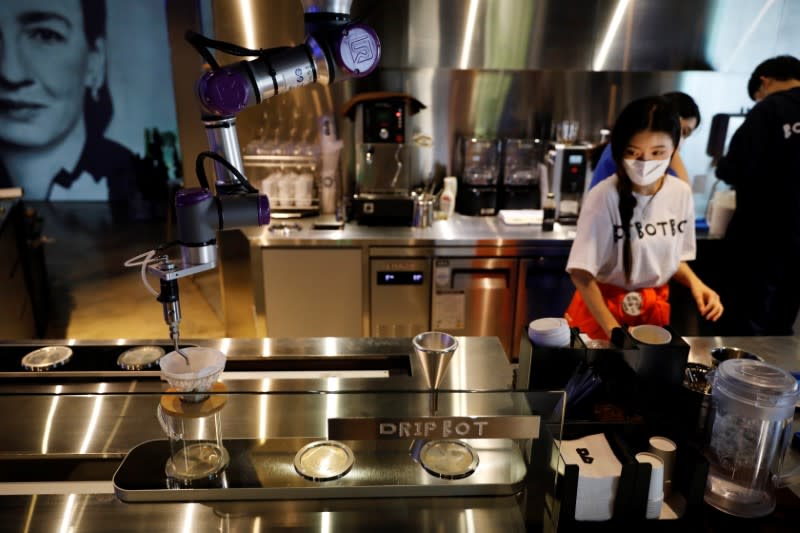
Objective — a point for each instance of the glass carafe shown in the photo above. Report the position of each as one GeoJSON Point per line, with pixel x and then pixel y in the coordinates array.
{"type": "Point", "coordinates": [752, 406]}
{"type": "Point", "coordinates": [195, 436]}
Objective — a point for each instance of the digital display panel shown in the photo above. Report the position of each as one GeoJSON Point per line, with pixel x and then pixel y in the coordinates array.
{"type": "Point", "coordinates": [400, 278]}
{"type": "Point", "coordinates": [575, 159]}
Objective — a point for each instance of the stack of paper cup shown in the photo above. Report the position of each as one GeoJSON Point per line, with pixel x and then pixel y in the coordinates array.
{"type": "Point", "coordinates": [666, 450]}
{"type": "Point", "coordinates": [655, 494]}
{"type": "Point", "coordinates": [552, 332]}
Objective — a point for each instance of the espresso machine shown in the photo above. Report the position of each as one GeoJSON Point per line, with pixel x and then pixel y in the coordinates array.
{"type": "Point", "coordinates": [382, 157]}
{"type": "Point", "coordinates": [523, 181]}
{"type": "Point", "coordinates": [571, 174]}
{"type": "Point", "coordinates": [478, 166]}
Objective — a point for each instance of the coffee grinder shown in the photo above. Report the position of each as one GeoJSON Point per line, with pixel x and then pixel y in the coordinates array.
{"type": "Point", "coordinates": [524, 183]}
{"type": "Point", "coordinates": [569, 166]}
{"type": "Point", "coordinates": [382, 157]}
{"type": "Point", "coordinates": [478, 166]}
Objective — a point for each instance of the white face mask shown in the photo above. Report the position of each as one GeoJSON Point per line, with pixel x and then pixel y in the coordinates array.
{"type": "Point", "coordinates": [645, 173]}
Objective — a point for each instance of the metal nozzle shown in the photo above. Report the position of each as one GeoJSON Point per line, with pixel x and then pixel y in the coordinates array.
{"type": "Point", "coordinates": [171, 304]}
{"type": "Point", "coordinates": [175, 335]}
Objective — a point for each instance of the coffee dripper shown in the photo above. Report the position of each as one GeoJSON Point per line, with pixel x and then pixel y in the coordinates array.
{"type": "Point", "coordinates": [194, 430]}
{"type": "Point", "coordinates": [443, 458]}
{"type": "Point", "coordinates": [189, 415]}
{"type": "Point", "coordinates": [434, 350]}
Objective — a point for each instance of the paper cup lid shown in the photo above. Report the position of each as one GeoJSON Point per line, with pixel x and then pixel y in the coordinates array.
{"type": "Point", "coordinates": [755, 382]}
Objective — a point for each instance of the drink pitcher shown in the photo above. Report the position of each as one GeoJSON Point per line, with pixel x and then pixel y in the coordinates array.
{"type": "Point", "coordinates": [752, 406]}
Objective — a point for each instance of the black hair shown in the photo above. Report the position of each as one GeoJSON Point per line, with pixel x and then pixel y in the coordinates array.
{"type": "Point", "coordinates": [97, 112]}
{"type": "Point", "coordinates": [94, 19]}
{"type": "Point", "coordinates": [781, 68]}
{"type": "Point", "coordinates": [684, 104]}
{"type": "Point", "coordinates": [656, 114]}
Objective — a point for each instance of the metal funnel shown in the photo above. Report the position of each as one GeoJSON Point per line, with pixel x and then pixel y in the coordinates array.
{"type": "Point", "coordinates": [434, 349]}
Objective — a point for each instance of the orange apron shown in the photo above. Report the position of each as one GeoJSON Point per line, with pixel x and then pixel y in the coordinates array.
{"type": "Point", "coordinates": [630, 308]}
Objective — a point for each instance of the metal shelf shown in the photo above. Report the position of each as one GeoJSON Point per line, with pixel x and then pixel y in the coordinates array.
{"type": "Point", "coordinates": [280, 161]}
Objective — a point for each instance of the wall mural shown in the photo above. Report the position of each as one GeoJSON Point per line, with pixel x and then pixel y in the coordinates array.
{"type": "Point", "coordinates": [86, 103]}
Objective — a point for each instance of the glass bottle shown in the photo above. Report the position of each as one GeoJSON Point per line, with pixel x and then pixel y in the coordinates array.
{"type": "Point", "coordinates": [549, 212]}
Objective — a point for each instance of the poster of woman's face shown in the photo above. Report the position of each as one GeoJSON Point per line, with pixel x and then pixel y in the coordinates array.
{"type": "Point", "coordinates": [80, 81]}
{"type": "Point", "coordinates": [49, 62]}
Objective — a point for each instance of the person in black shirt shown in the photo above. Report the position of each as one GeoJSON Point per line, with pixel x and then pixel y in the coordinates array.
{"type": "Point", "coordinates": [762, 244]}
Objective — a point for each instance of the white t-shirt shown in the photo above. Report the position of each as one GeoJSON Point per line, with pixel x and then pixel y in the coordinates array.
{"type": "Point", "coordinates": [662, 235]}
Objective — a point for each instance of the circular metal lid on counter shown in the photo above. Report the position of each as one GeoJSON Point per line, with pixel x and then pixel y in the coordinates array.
{"type": "Point", "coordinates": [448, 459]}
{"type": "Point", "coordinates": [140, 357]}
{"type": "Point", "coordinates": [324, 460]}
{"type": "Point", "coordinates": [195, 461]}
{"type": "Point", "coordinates": [46, 358]}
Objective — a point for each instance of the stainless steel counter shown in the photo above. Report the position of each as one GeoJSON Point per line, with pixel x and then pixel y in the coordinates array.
{"type": "Point", "coordinates": [61, 439]}
{"type": "Point", "coordinates": [103, 513]}
{"type": "Point", "coordinates": [781, 351]}
{"type": "Point", "coordinates": [103, 427]}
{"type": "Point", "coordinates": [277, 365]}
{"type": "Point", "coordinates": [247, 256]}
{"type": "Point", "coordinates": [460, 230]}
{"type": "Point", "coordinates": [64, 412]}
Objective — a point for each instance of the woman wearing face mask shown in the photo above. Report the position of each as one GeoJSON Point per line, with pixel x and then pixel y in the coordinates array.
{"type": "Point", "coordinates": [636, 231]}
{"type": "Point", "coordinates": [690, 119]}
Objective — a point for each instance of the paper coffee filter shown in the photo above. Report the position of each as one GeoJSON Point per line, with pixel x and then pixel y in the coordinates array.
{"type": "Point", "coordinates": [204, 368]}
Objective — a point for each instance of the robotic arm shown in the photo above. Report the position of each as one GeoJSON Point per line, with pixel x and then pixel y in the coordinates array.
{"type": "Point", "coordinates": [335, 49]}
